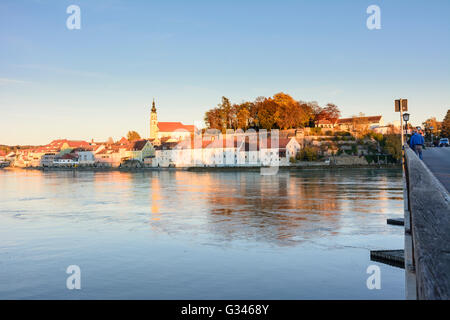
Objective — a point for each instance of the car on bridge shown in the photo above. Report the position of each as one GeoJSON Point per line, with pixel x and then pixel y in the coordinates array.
{"type": "Point", "coordinates": [444, 142]}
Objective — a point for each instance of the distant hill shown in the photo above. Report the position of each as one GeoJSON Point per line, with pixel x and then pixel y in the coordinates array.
{"type": "Point", "coordinates": [8, 149]}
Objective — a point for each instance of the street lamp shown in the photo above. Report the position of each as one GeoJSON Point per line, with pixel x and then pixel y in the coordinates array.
{"type": "Point", "coordinates": [406, 116]}
{"type": "Point", "coordinates": [431, 129]}
{"type": "Point", "coordinates": [406, 119]}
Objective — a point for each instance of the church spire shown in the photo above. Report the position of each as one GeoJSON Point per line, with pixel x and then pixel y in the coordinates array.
{"type": "Point", "coordinates": [153, 106]}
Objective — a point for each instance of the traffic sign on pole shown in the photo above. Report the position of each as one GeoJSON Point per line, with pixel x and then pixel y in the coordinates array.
{"type": "Point", "coordinates": [403, 103]}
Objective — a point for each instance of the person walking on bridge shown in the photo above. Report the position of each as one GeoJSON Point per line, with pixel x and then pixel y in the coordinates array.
{"type": "Point", "coordinates": [416, 143]}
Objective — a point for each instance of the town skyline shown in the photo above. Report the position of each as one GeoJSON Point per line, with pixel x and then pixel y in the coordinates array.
{"type": "Point", "coordinates": [98, 81]}
{"type": "Point", "coordinates": [200, 124]}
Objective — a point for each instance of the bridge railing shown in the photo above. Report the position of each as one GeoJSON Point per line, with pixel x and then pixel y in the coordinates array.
{"type": "Point", "coordinates": [428, 204]}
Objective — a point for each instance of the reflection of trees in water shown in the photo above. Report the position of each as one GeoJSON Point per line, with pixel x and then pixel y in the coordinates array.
{"type": "Point", "coordinates": [279, 208]}
{"type": "Point", "coordinates": [371, 191]}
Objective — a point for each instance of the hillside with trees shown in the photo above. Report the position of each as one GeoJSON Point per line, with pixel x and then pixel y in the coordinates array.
{"type": "Point", "coordinates": [278, 112]}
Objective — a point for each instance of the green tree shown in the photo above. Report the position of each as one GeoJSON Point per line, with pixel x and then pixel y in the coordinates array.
{"type": "Point", "coordinates": [392, 145]}
{"type": "Point", "coordinates": [308, 154]}
{"type": "Point", "coordinates": [133, 136]}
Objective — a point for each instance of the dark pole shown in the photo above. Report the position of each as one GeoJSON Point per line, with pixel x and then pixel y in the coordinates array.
{"type": "Point", "coordinates": [406, 130]}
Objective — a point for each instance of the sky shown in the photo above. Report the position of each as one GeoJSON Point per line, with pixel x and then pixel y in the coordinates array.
{"type": "Point", "coordinates": [99, 81]}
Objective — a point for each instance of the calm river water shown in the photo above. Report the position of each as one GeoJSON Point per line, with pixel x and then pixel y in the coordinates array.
{"type": "Point", "coordinates": [190, 235]}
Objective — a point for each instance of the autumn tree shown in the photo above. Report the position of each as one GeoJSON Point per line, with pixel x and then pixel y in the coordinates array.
{"type": "Point", "coordinates": [280, 112]}
{"type": "Point", "coordinates": [226, 113]}
{"type": "Point", "coordinates": [213, 119]}
{"type": "Point", "coordinates": [445, 131]}
{"type": "Point", "coordinates": [289, 113]}
{"type": "Point", "coordinates": [254, 108]}
{"type": "Point", "coordinates": [133, 136]}
{"type": "Point", "coordinates": [243, 117]}
{"type": "Point", "coordinates": [330, 112]}
{"type": "Point", "coordinates": [312, 110]}
{"type": "Point", "coordinates": [431, 123]}
{"type": "Point", "coordinates": [267, 114]}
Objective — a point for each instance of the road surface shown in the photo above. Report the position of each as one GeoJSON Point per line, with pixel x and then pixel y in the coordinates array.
{"type": "Point", "coordinates": [438, 161]}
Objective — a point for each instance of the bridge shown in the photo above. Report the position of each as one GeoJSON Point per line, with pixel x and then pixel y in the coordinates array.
{"type": "Point", "coordinates": [438, 161]}
{"type": "Point", "coordinates": [427, 224]}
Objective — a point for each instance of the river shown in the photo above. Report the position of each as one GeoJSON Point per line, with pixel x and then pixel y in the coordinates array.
{"type": "Point", "coordinates": [199, 235]}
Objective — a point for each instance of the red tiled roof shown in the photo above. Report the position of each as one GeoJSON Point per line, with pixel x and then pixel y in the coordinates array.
{"type": "Point", "coordinates": [56, 145]}
{"type": "Point", "coordinates": [193, 144]}
{"type": "Point", "coordinates": [224, 143]}
{"type": "Point", "coordinates": [137, 145]}
{"type": "Point", "coordinates": [257, 145]}
{"type": "Point", "coordinates": [170, 145]}
{"type": "Point", "coordinates": [173, 126]}
{"type": "Point", "coordinates": [81, 150]}
{"type": "Point", "coordinates": [69, 156]}
{"type": "Point", "coordinates": [123, 141]}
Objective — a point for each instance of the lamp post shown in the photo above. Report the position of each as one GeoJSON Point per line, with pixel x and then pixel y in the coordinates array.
{"type": "Point", "coordinates": [401, 105]}
{"type": "Point", "coordinates": [431, 129]}
{"type": "Point", "coordinates": [406, 119]}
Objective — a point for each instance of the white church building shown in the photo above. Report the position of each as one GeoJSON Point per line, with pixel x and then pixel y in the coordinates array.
{"type": "Point", "coordinates": [173, 131]}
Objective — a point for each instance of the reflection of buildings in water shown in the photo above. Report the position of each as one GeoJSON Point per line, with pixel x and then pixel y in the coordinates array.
{"type": "Point", "coordinates": [274, 208]}
{"type": "Point", "coordinates": [281, 209]}
{"type": "Point", "coordinates": [375, 193]}
{"type": "Point", "coordinates": [369, 192]}
{"type": "Point", "coordinates": [173, 193]}
{"type": "Point", "coordinates": [155, 191]}
{"type": "Point", "coordinates": [119, 186]}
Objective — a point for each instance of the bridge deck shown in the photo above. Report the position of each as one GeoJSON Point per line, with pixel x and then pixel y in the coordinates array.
{"type": "Point", "coordinates": [438, 161]}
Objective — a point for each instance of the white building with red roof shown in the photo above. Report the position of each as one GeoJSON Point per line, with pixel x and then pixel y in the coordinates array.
{"type": "Point", "coordinates": [45, 155]}
{"type": "Point", "coordinates": [370, 122]}
{"type": "Point", "coordinates": [349, 124]}
{"type": "Point", "coordinates": [227, 151]}
{"type": "Point", "coordinates": [324, 123]}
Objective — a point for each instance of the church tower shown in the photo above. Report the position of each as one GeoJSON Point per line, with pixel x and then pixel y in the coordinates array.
{"type": "Point", "coordinates": [153, 122]}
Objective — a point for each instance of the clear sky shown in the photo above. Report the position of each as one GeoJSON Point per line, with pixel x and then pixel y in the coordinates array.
{"type": "Point", "coordinates": [99, 81]}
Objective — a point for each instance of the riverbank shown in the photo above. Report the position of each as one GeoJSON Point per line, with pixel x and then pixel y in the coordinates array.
{"type": "Point", "coordinates": [294, 167]}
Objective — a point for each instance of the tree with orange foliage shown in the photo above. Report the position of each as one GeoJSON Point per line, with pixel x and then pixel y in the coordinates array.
{"type": "Point", "coordinates": [280, 112]}
{"type": "Point", "coordinates": [330, 112]}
